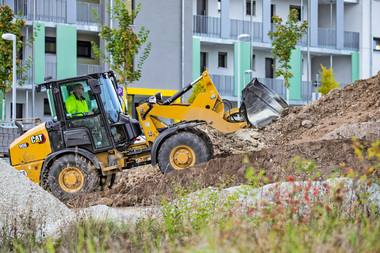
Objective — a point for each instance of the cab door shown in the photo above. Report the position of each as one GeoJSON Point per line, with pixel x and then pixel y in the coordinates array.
{"type": "Point", "coordinates": [86, 127]}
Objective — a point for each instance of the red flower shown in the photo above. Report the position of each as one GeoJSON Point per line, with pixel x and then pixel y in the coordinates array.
{"type": "Point", "coordinates": [291, 178]}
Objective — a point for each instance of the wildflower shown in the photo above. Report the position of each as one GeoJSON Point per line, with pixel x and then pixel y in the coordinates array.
{"type": "Point", "coordinates": [304, 219]}
{"type": "Point", "coordinates": [271, 213]}
{"type": "Point", "coordinates": [315, 192]}
{"type": "Point", "coordinates": [291, 178]}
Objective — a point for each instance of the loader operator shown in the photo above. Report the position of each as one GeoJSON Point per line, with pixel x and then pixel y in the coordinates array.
{"type": "Point", "coordinates": [76, 104]}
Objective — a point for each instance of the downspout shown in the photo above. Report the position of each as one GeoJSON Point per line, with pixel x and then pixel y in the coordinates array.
{"type": "Point", "coordinates": [33, 66]}
{"type": "Point", "coordinates": [27, 92]}
{"type": "Point", "coordinates": [371, 41]}
{"type": "Point", "coordinates": [251, 47]}
{"type": "Point", "coordinates": [308, 44]}
{"type": "Point", "coordinates": [183, 45]}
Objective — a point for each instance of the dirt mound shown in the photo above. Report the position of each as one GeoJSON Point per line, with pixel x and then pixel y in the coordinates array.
{"type": "Point", "coordinates": [340, 109]}
{"type": "Point", "coordinates": [320, 131]}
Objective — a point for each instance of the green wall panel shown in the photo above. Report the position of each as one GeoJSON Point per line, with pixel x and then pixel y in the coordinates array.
{"type": "Point", "coordinates": [245, 64]}
{"type": "Point", "coordinates": [66, 51]}
{"type": "Point", "coordinates": [355, 67]}
{"type": "Point", "coordinates": [196, 58]}
{"type": "Point", "coordinates": [39, 55]}
{"type": "Point", "coordinates": [295, 89]}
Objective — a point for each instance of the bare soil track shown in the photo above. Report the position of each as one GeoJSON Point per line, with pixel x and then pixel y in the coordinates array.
{"type": "Point", "coordinates": [321, 131]}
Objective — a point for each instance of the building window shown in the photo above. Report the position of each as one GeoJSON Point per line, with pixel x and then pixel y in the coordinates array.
{"type": "Point", "coordinates": [19, 110]}
{"type": "Point", "coordinates": [222, 60]}
{"type": "Point", "coordinates": [84, 49]}
{"type": "Point", "coordinates": [376, 44]}
{"type": "Point", "coordinates": [272, 11]}
{"type": "Point", "coordinates": [50, 45]}
{"type": "Point", "coordinates": [219, 6]}
{"type": "Point", "coordinates": [298, 9]}
{"type": "Point", "coordinates": [129, 5]}
{"type": "Point", "coordinates": [250, 9]}
{"type": "Point", "coordinates": [47, 111]}
{"type": "Point", "coordinates": [269, 68]}
{"type": "Point", "coordinates": [203, 61]}
{"type": "Point", "coordinates": [253, 62]}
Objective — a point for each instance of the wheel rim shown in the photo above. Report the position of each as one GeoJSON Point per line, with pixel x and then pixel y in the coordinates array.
{"type": "Point", "coordinates": [71, 179]}
{"type": "Point", "coordinates": [182, 157]}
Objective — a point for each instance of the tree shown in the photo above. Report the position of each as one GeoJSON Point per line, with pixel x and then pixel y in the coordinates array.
{"type": "Point", "coordinates": [285, 40]}
{"type": "Point", "coordinates": [10, 24]}
{"type": "Point", "coordinates": [122, 43]}
{"type": "Point", "coordinates": [198, 88]}
{"type": "Point", "coordinates": [327, 80]}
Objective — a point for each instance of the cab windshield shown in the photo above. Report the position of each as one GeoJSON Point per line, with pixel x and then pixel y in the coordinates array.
{"type": "Point", "coordinates": [110, 100]}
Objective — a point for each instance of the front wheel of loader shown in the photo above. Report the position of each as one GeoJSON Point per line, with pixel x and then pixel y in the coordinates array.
{"type": "Point", "coordinates": [180, 151]}
{"type": "Point", "coordinates": [72, 175]}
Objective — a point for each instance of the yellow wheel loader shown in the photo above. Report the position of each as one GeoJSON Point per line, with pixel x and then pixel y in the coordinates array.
{"type": "Point", "coordinates": [76, 152]}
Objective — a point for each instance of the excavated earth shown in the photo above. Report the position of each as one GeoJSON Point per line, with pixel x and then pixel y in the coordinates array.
{"type": "Point", "coordinates": [321, 132]}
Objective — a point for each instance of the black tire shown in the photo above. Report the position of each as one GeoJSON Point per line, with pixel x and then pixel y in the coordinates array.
{"type": "Point", "coordinates": [72, 175]}
{"type": "Point", "coordinates": [182, 150]}
{"type": "Point", "coordinates": [207, 140]}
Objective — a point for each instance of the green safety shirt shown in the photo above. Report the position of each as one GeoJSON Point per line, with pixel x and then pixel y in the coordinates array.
{"type": "Point", "coordinates": [76, 106]}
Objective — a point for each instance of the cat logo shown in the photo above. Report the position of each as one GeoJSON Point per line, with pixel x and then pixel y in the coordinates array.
{"type": "Point", "coordinates": [39, 138]}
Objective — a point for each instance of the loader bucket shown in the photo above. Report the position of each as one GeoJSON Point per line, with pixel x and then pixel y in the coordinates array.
{"type": "Point", "coordinates": [261, 105]}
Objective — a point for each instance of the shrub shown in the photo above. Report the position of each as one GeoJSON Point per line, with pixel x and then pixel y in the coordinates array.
{"type": "Point", "coordinates": [327, 80]}
{"type": "Point", "coordinates": [198, 88]}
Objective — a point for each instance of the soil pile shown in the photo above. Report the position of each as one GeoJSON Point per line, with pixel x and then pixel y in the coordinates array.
{"type": "Point", "coordinates": [320, 131]}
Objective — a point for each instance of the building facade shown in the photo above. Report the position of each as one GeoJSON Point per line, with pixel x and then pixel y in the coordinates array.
{"type": "Point", "coordinates": [228, 37]}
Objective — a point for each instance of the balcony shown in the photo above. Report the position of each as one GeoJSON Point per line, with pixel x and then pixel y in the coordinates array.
{"type": "Point", "coordinates": [84, 13]}
{"type": "Point", "coordinates": [55, 11]}
{"type": "Point", "coordinates": [27, 76]}
{"type": "Point", "coordinates": [51, 70]}
{"type": "Point", "coordinates": [84, 69]}
{"type": "Point", "coordinates": [223, 84]}
{"type": "Point", "coordinates": [46, 10]}
{"type": "Point", "coordinates": [210, 27]}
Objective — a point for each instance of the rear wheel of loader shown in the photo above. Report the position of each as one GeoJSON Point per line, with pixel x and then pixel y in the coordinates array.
{"type": "Point", "coordinates": [182, 150]}
{"type": "Point", "coordinates": [72, 175]}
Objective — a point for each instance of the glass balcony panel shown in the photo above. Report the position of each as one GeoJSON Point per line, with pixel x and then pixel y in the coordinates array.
{"type": "Point", "coordinates": [84, 69]}
{"type": "Point", "coordinates": [223, 84]}
{"type": "Point", "coordinates": [84, 13]}
{"type": "Point", "coordinates": [206, 26]}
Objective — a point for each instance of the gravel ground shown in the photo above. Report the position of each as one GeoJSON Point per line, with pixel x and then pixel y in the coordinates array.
{"type": "Point", "coordinates": [26, 206]}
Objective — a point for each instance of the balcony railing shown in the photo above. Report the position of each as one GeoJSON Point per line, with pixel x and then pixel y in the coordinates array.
{"type": "Point", "coordinates": [84, 13]}
{"type": "Point", "coordinates": [206, 26]}
{"type": "Point", "coordinates": [210, 27]}
{"type": "Point", "coordinates": [223, 84]}
{"type": "Point", "coordinates": [326, 38]}
{"type": "Point", "coordinates": [351, 40]}
{"type": "Point", "coordinates": [27, 75]}
{"type": "Point", "coordinates": [239, 27]}
{"type": "Point", "coordinates": [51, 70]}
{"type": "Point", "coordinates": [46, 10]}
{"type": "Point", "coordinates": [84, 69]}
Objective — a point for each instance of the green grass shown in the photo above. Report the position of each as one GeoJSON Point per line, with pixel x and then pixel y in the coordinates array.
{"type": "Point", "coordinates": [206, 221]}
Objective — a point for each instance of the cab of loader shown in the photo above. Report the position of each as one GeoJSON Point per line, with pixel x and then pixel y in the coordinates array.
{"type": "Point", "coordinates": [101, 127]}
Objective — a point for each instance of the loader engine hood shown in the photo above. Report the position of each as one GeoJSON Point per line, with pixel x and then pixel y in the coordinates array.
{"type": "Point", "coordinates": [261, 105]}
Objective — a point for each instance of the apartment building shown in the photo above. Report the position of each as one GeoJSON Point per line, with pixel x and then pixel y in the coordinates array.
{"type": "Point", "coordinates": [228, 37]}
{"type": "Point", "coordinates": [340, 36]}
{"type": "Point", "coordinates": [63, 49]}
